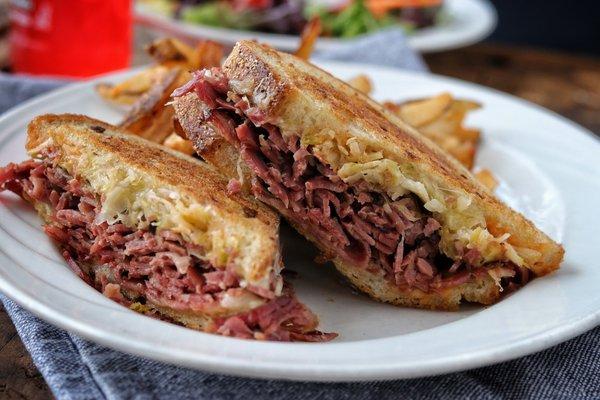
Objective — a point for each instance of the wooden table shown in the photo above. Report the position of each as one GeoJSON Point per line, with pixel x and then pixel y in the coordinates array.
{"type": "Point", "coordinates": [567, 84]}
{"type": "Point", "coordinates": [564, 83]}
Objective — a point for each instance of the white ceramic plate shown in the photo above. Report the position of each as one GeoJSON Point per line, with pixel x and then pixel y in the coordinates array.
{"type": "Point", "coordinates": [468, 22]}
{"type": "Point", "coordinates": [549, 168]}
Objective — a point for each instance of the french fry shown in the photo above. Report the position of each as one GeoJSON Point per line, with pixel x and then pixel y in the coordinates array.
{"type": "Point", "coordinates": [180, 144]}
{"type": "Point", "coordinates": [468, 134]}
{"type": "Point", "coordinates": [466, 105]}
{"type": "Point", "coordinates": [445, 124]}
{"type": "Point", "coordinates": [421, 112]}
{"type": "Point", "coordinates": [209, 54]}
{"type": "Point", "coordinates": [116, 96]}
{"type": "Point", "coordinates": [167, 51]}
{"type": "Point", "coordinates": [309, 36]}
{"type": "Point", "coordinates": [149, 117]}
{"type": "Point", "coordinates": [129, 91]}
{"type": "Point", "coordinates": [362, 83]}
{"type": "Point", "coordinates": [172, 52]}
{"type": "Point", "coordinates": [441, 118]}
{"type": "Point", "coordinates": [487, 179]}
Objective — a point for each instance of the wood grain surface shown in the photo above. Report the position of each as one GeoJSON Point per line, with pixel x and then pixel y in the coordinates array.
{"type": "Point", "coordinates": [567, 84]}
{"type": "Point", "coordinates": [19, 378]}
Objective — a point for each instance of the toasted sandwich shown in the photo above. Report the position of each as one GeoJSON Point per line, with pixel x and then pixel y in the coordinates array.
{"type": "Point", "coordinates": [402, 220]}
{"type": "Point", "coordinates": [156, 230]}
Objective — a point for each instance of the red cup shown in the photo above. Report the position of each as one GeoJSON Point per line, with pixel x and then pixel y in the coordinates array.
{"type": "Point", "coordinates": [75, 38]}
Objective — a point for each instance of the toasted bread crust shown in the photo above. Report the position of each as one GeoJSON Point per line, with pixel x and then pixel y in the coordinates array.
{"type": "Point", "coordinates": [208, 143]}
{"type": "Point", "coordinates": [291, 94]}
{"type": "Point", "coordinates": [81, 136]}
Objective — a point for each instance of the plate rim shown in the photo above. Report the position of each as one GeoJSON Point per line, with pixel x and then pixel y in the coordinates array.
{"type": "Point", "coordinates": [474, 359]}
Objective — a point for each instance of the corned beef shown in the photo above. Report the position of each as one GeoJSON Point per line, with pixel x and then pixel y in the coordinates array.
{"type": "Point", "coordinates": [353, 222]}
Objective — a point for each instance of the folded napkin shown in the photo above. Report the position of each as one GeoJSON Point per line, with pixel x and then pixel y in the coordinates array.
{"type": "Point", "coordinates": [75, 368]}
{"type": "Point", "coordinates": [387, 47]}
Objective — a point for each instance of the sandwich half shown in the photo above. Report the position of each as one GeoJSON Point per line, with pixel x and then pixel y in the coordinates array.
{"type": "Point", "coordinates": [156, 230]}
{"type": "Point", "coordinates": [402, 220]}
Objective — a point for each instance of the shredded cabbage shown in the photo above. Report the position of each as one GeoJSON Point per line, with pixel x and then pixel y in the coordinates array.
{"type": "Point", "coordinates": [462, 224]}
{"type": "Point", "coordinates": [130, 197]}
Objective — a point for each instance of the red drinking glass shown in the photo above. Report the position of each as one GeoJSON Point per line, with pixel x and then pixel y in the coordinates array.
{"type": "Point", "coordinates": [76, 38]}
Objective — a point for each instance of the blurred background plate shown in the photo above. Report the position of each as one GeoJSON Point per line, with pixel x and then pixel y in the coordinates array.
{"type": "Point", "coordinates": [466, 22]}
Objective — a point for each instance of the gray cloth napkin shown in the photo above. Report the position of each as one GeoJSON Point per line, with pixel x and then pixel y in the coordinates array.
{"type": "Point", "coordinates": [387, 47]}
{"type": "Point", "coordinates": [78, 369]}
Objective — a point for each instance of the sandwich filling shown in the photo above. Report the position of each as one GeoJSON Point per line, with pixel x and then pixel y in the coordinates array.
{"type": "Point", "coordinates": [398, 237]}
{"type": "Point", "coordinates": [153, 270]}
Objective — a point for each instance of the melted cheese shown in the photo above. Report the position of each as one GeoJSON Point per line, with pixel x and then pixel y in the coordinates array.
{"type": "Point", "coordinates": [133, 198]}
{"type": "Point", "coordinates": [463, 225]}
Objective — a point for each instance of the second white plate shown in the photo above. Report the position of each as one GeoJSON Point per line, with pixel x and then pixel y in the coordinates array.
{"type": "Point", "coordinates": [467, 22]}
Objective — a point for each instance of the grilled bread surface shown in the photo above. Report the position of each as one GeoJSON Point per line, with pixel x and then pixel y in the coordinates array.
{"type": "Point", "coordinates": [332, 117]}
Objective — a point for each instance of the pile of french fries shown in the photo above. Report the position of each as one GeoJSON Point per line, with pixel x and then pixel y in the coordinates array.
{"type": "Point", "coordinates": [147, 94]}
